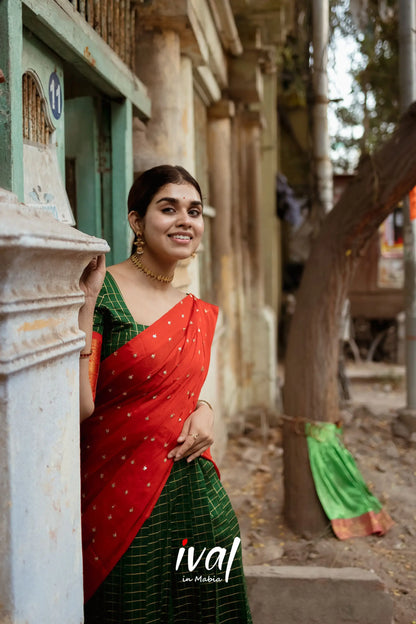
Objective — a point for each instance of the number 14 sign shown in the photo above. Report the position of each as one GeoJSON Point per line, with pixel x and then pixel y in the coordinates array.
{"type": "Point", "coordinates": [55, 95]}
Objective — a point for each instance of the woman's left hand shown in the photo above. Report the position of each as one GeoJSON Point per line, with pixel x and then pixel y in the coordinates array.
{"type": "Point", "coordinates": [196, 435]}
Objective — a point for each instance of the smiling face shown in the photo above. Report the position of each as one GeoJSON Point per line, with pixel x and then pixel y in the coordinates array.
{"type": "Point", "coordinates": [173, 224]}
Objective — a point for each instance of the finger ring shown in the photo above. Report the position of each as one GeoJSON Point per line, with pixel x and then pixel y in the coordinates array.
{"type": "Point", "coordinates": [194, 435]}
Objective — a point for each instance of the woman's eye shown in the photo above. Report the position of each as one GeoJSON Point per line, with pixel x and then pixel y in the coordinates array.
{"type": "Point", "coordinates": [194, 212]}
{"type": "Point", "coordinates": [167, 209]}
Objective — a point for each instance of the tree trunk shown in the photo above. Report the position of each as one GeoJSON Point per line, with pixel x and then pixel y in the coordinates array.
{"type": "Point", "coordinates": [310, 391]}
{"type": "Point", "coordinates": [321, 149]}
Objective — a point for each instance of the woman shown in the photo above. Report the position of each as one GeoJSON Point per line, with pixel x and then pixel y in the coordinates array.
{"type": "Point", "coordinates": [160, 539]}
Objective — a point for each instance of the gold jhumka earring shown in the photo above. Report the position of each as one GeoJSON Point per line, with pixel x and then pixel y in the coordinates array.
{"type": "Point", "coordinates": [139, 243]}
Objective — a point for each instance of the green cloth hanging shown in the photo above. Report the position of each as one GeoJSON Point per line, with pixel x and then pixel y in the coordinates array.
{"type": "Point", "coordinates": [352, 509]}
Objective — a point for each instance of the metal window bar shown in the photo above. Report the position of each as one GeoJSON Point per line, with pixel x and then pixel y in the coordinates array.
{"type": "Point", "coordinates": [36, 127]}
{"type": "Point", "coordinates": [114, 21]}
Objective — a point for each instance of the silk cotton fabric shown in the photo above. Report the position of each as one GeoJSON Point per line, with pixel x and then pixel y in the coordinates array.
{"type": "Point", "coordinates": [144, 587]}
{"type": "Point", "coordinates": [145, 391]}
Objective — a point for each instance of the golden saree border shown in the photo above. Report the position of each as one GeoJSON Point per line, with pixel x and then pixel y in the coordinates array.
{"type": "Point", "coordinates": [94, 363]}
{"type": "Point", "coordinates": [370, 523]}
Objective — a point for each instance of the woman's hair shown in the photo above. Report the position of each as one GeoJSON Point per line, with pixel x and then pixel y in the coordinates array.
{"type": "Point", "coordinates": [149, 182]}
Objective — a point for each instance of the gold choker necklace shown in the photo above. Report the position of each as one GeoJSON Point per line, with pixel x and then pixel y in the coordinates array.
{"type": "Point", "coordinates": [160, 278]}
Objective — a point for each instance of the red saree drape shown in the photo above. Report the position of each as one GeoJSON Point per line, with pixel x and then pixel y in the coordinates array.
{"type": "Point", "coordinates": [146, 390]}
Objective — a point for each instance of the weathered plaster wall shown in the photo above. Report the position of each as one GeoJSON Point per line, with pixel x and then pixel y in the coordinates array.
{"type": "Point", "coordinates": [41, 261]}
{"type": "Point", "coordinates": [215, 113]}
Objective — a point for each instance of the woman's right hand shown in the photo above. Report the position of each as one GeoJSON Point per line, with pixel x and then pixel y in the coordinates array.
{"type": "Point", "coordinates": [90, 283]}
{"type": "Point", "coordinates": [92, 277]}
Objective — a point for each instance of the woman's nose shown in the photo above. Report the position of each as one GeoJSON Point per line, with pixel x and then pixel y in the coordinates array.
{"type": "Point", "coordinates": [183, 218]}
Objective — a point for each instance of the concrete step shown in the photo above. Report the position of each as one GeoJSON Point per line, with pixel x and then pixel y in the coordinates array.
{"type": "Point", "coordinates": [317, 595]}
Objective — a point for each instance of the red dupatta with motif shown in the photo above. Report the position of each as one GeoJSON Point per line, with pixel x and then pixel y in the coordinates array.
{"type": "Point", "coordinates": [146, 390]}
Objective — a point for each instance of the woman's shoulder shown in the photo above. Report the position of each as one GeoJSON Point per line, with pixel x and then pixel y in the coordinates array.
{"type": "Point", "coordinates": [109, 298]}
{"type": "Point", "coordinates": [205, 306]}
{"type": "Point", "coordinates": [109, 285]}
{"type": "Point", "coordinates": [114, 275]}
{"type": "Point", "coordinates": [198, 299]}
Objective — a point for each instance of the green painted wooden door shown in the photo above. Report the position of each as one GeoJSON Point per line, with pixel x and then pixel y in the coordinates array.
{"type": "Point", "coordinates": [89, 165]}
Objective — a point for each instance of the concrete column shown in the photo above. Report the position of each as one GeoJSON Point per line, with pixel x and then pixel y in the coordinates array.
{"type": "Point", "coordinates": [158, 65]}
{"type": "Point", "coordinates": [241, 262]}
{"type": "Point", "coordinates": [221, 190]}
{"type": "Point", "coordinates": [187, 272]}
{"type": "Point", "coordinates": [258, 321]}
{"type": "Point", "coordinates": [187, 129]}
{"type": "Point", "coordinates": [224, 265]}
{"type": "Point", "coordinates": [168, 137]}
{"type": "Point", "coordinates": [252, 178]}
{"type": "Point", "coordinates": [41, 261]}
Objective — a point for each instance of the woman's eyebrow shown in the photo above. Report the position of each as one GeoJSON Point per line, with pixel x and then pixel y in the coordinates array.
{"type": "Point", "coordinates": [174, 200]}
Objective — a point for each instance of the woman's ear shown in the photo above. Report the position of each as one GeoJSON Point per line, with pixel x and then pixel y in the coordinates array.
{"type": "Point", "coordinates": [135, 221]}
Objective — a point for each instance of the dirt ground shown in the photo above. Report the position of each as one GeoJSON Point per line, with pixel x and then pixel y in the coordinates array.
{"type": "Point", "coordinates": [252, 474]}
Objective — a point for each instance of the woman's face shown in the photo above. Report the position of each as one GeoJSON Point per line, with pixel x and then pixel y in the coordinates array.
{"type": "Point", "coordinates": [173, 224]}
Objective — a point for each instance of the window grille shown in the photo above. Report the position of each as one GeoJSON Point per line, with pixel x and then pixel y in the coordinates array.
{"type": "Point", "coordinates": [114, 21]}
{"type": "Point", "coordinates": [36, 126]}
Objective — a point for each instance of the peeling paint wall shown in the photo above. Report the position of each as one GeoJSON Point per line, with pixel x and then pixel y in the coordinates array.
{"type": "Point", "coordinates": [40, 534]}
{"type": "Point", "coordinates": [233, 123]}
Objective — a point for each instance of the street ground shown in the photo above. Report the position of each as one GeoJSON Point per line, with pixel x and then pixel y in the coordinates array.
{"type": "Point", "coordinates": [252, 472]}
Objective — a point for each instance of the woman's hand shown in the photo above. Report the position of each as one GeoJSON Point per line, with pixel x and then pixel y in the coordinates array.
{"type": "Point", "coordinates": [91, 281]}
{"type": "Point", "coordinates": [196, 435]}
{"type": "Point", "coordinates": [92, 277]}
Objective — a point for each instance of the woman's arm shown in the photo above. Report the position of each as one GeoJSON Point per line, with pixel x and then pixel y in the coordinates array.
{"type": "Point", "coordinates": [90, 282]}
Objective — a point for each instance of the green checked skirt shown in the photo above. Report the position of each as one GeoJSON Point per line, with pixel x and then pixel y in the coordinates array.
{"type": "Point", "coordinates": [145, 588]}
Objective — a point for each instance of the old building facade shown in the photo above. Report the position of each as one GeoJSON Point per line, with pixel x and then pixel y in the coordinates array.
{"type": "Point", "coordinates": [92, 94]}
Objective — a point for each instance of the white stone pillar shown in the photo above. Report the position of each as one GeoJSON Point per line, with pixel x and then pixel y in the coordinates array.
{"type": "Point", "coordinates": [158, 65]}
{"type": "Point", "coordinates": [187, 272]}
{"type": "Point", "coordinates": [41, 261]}
{"type": "Point", "coordinates": [259, 338]}
{"type": "Point", "coordinates": [223, 255]}
{"type": "Point", "coordinates": [168, 137]}
{"type": "Point", "coordinates": [187, 144]}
